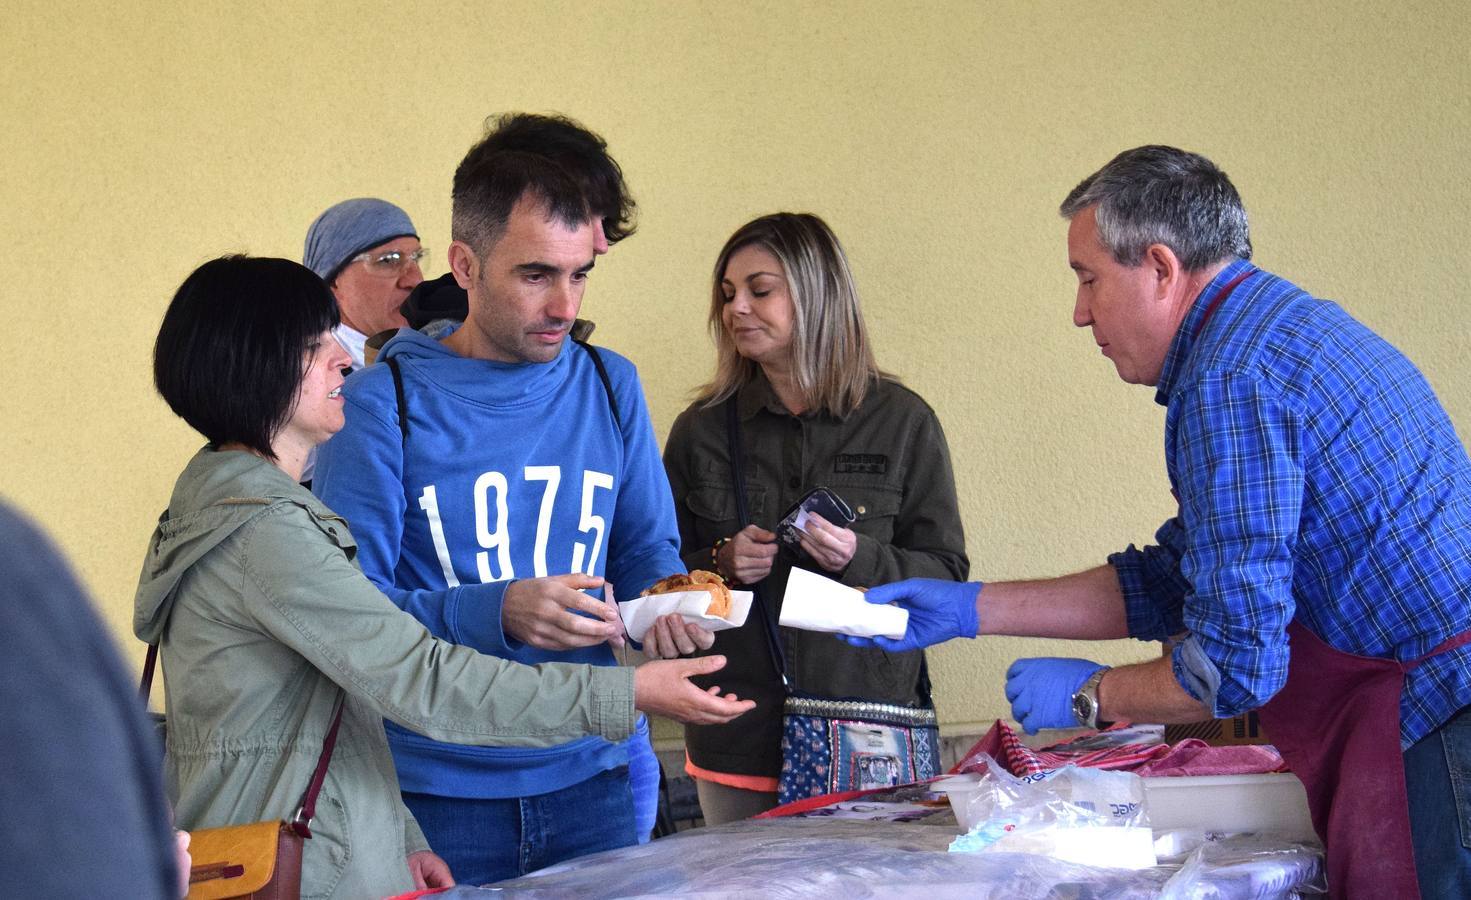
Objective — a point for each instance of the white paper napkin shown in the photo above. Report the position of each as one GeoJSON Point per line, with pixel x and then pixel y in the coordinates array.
{"type": "Point", "coordinates": [815, 603]}
{"type": "Point", "coordinates": [639, 613]}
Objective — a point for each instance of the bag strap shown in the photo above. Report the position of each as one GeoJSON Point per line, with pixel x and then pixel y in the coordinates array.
{"type": "Point", "coordinates": [398, 395]}
{"type": "Point", "coordinates": [597, 361]}
{"type": "Point", "coordinates": [301, 820]}
{"type": "Point", "coordinates": [301, 823]}
{"type": "Point", "coordinates": [738, 480]}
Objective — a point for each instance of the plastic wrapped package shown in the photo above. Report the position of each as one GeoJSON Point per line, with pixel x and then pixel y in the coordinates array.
{"type": "Point", "coordinates": [1247, 865]}
{"type": "Point", "coordinates": [1086, 816]}
{"type": "Point", "coordinates": [831, 857]}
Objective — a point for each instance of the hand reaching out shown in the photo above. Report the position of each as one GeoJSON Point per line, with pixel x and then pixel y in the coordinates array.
{"type": "Point", "coordinates": [938, 611]}
{"type": "Point", "coordinates": [663, 688]}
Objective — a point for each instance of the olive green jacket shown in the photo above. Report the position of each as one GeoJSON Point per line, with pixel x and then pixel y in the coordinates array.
{"type": "Point", "coordinates": [889, 460]}
{"type": "Point", "coordinates": [251, 590]}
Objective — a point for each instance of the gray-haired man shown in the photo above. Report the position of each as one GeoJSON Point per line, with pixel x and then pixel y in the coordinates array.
{"type": "Point", "coordinates": [368, 252]}
{"type": "Point", "coordinates": [1319, 567]}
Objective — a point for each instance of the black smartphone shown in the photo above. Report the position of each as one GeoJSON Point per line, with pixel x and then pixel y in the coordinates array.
{"type": "Point", "coordinates": [820, 500]}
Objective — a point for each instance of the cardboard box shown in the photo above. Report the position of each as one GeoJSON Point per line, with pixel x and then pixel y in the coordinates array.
{"type": "Point", "coordinates": [1242, 729]}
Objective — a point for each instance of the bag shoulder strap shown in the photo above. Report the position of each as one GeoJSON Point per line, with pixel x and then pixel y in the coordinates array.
{"type": "Point", "coordinates": [301, 823]}
{"type": "Point", "coordinates": [301, 820]}
{"type": "Point", "coordinates": [597, 361]}
{"type": "Point", "coordinates": [398, 395]}
{"type": "Point", "coordinates": [738, 481]}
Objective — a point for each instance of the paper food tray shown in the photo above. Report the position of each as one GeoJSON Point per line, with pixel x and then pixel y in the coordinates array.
{"type": "Point", "coordinates": [639, 613]}
{"type": "Point", "coordinates": [815, 603]}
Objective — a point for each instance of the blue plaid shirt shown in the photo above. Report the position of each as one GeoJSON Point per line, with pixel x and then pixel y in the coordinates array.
{"type": "Point", "coordinates": [1318, 478]}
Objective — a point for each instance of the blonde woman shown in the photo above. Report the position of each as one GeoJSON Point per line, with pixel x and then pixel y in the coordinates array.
{"type": "Point", "coordinates": [812, 409]}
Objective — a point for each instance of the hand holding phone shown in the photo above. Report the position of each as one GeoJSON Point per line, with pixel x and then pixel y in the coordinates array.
{"type": "Point", "coordinates": [818, 526]}
{"type": "Point", "coordinates": [822, 501]}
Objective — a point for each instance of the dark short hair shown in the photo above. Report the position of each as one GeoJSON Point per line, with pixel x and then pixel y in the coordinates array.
{"type": "Point", "coordinates": [488, 186]}
{"type": "Point", "coordinates": [232, 349]}
{"type": "Point", "coordinates": [583, 154]}
{"type": "Point", "coordinates": [1163, 195]}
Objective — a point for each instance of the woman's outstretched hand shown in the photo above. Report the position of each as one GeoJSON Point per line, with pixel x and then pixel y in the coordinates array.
{"type": "Point", "coordinates": [663, 688]}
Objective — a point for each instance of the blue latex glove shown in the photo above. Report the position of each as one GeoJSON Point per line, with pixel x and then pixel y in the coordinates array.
{"type": "Point", "coordinates": [1041, 690]}
{"type": "Point", "coordinates": [938, 611]}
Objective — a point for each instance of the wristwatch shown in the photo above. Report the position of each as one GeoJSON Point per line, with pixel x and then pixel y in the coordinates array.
{"type": "Point", "coordinates": [1085, 701]}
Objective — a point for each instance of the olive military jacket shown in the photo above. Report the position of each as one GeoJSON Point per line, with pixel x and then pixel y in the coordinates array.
{"type": "Point", "coordinates": [888, 459]}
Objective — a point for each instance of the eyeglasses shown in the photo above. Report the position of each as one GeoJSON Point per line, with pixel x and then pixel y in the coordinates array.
{"type": "Point", "coordinates": [391, 263]}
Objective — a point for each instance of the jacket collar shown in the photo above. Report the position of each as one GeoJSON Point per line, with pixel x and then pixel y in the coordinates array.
{"type": "Point", "coordinates": [758, 394]}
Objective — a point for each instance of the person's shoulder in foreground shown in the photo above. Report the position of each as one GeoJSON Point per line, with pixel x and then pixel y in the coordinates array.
{"type": "Point", "coordinates": [82, 772]}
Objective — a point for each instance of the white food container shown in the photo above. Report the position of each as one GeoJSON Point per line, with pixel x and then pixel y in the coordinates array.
{"type": "Point", "coordinates": [1273, 802]}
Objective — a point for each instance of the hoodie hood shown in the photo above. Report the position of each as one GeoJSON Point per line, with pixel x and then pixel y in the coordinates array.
{"type": "Point", "coordinates": [478, 381]}
{"type": "Point", "coordinates": [217, 493]}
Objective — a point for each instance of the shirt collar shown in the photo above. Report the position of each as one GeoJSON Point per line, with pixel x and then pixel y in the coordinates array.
{"type": "Point", "coordinates": [1184, 341]}
{"type": "Point", "coordinates": [352, 341]}
{"type": "Point", "coordinates": [758, 394]}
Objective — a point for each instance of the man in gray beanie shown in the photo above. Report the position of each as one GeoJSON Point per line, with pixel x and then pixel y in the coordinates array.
{"type": "Point", "coordinates": [368, 252]}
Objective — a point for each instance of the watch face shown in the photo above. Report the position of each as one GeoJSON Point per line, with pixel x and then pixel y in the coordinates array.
{"type": "Point", "coordinates": [1082, 707]}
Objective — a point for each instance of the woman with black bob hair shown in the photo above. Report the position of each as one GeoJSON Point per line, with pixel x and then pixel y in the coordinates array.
{"type": "Point", "coordinates": [264, 621]}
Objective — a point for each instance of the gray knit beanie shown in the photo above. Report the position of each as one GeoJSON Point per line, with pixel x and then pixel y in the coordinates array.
{"type": "Point", "coordinates": [349, 228]}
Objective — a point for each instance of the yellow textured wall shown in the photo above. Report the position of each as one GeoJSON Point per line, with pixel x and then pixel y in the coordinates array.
{"type": "Point", "coordinates": [136, 141]}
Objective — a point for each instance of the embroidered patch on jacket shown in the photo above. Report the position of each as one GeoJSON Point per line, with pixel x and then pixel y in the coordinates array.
{"type": "Point", "coordinates": [863, 463]}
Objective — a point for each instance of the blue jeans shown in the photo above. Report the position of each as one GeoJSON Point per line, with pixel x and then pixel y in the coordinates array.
{"type": "Point", "coordinates": [492, 840]}
{"type": "Point", "coordinates": [1438, 783]}
{"type": "Point", "coordinates": [643, 777]}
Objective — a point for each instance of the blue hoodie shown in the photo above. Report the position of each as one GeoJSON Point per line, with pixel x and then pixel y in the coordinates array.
{"type": "Point", "coordinates": [508, 471]}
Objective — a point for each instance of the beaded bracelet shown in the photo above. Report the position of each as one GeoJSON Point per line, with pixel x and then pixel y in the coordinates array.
{"type": "Point", "coordinates": [715, 558]}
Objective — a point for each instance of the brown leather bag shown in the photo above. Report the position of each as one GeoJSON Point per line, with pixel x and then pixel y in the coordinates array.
{"type": "Point", "coordinates": [262, 860]}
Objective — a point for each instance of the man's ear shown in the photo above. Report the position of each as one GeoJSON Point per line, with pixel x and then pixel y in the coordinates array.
{"type": "Point", "coordinates": [463, 264]}
{"type": "Point", "coordinates": [1165, 266]}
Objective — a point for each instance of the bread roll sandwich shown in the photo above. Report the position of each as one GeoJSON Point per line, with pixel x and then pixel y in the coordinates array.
{"type": "Point", "coordinates": [698, 580]}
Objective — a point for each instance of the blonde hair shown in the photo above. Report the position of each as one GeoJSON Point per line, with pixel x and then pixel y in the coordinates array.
{"type": "Point", "coordinates": [832, 360]}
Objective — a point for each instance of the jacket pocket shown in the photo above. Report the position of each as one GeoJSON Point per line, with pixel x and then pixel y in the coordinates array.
{"type": "Point", "coordinates": [876, 508]}
{"type": "Point", "coordinates": [335, 528]}
{"type": "Point", "coordinates": [715, 504]}
{"type": "Point", "coordinates": [326, 856]}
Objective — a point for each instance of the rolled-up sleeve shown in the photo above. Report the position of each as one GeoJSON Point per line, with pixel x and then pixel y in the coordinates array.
{"type": "Point", "coordinates": [1154, 589]}
{"type": "Point", "coordinates": [1239, 473]}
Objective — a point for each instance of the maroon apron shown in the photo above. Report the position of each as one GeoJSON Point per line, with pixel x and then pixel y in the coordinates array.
{"type": "Point", "coordinates": [1336, 723]}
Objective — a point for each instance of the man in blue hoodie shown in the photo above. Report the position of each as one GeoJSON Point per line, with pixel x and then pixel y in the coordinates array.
{"type": "Point", "coordinates": [492, 479]}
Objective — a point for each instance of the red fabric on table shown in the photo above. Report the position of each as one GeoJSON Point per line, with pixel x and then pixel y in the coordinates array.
{"type": "Point", "coordinates": [1188, 757]}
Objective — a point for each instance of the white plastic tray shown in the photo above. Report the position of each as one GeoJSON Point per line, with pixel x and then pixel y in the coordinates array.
{"type": "Point", "coordinates": [1230, 803]}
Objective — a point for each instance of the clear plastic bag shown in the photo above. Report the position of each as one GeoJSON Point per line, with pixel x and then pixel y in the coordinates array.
{"type": "Point", "coordinates": [797, 859]}
{"type": "Point", "coordinates": [1086, 816]}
